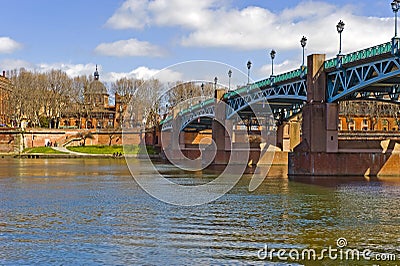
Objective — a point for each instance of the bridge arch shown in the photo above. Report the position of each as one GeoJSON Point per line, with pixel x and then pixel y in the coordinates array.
{"type": "Point", "coordinates": [377, 80]}
{"type": "Point", "coordinates": [292, 93]}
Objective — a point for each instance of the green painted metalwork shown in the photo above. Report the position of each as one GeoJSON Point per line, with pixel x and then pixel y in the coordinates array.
{"type": "Point", "coordinates": [267, 82]}
{"type": "Point", "coordinates": [168, 118]}
{"type": "Point", "coordinates": [361, 55]}
{"type": "Point", "coordinates": [183, 112]}
{"type": "Point", "coordinates": [367, 53]}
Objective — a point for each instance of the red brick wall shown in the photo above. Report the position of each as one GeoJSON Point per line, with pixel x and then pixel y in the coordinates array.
{"type": "Point", "coordinates": [13, 139]}
{"type": "Point", "coordinates": [343, 164]}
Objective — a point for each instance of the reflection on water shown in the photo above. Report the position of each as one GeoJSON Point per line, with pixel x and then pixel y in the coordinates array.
{"type": "Point", "coordinates": [89, 211]}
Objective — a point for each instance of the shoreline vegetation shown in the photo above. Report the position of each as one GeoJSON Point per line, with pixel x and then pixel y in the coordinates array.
{"type": "Point", "coordinates": [105, 149]}
{"type": "Point", "coordinates": [91, 150]}
{"type": "Point", "coordinates": [43, 150]}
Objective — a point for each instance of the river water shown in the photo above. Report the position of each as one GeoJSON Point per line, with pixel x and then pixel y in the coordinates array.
{"type": "Point", "coordinates": [91, 211]}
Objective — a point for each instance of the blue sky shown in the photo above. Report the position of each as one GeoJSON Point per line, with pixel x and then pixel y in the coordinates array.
{"type": "Point", "coordinates": [135, 38]}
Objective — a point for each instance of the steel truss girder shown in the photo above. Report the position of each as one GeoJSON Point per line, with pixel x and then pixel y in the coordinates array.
{"type": "Point", "coordinates": [205, 111]}
{"type": "Point", "coordinates": [345, 83]}
{"type": "Point", "coordinates": [167, 125]}
{"type": "Point", "coordinates": [294, 91]}
{"type": "Point", "coordinates": [285, 113]}
{"type": "Point", "coordinates": [384, 94]}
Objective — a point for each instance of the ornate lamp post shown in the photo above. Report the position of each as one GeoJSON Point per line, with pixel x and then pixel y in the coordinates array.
{"type": "Point", "coordinates": [202, 93]}
{"type": "Point", "coordinates": [340, 28]}
{"type": "Point", "coordinates": [230, 76]}
{"type": "Point", "coordinates": [248, 71]}
{"type": "Point", "coordinates": [272, 54]}
{"type": "Point", "coordinates": [303, 43]}
{"type": "Point", "coordinates": [395, 40]}
{"type": "Point", "coordinates": [395, 7]}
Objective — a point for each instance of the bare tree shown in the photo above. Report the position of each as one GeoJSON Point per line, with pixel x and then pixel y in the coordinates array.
{"type": "Point", "coordinates": [111, 135]}
{"type": "Point", "coordinates": [126, 88]}
{"type": "Point", "coordinates": [59, 93]}
{"type": "Point", "coordinates": [347, 109]}
{"type": "Point", "coordinates": [146, 103]}
{"type": "Point", "coordinates": [372, 110]}
{"type": "Point", "coordinates": [77, 106]}
{"type": "Point", "coordinates": [85, 135]}
{"type": "Point", "coordinates": [188, 91]}
{"type": "Point", "coordinates": [24, 96]}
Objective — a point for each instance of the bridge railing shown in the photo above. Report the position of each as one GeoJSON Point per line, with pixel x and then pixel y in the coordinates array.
{"type": "Point", "coordinates": [166, 120]}
{"type": "Point", "coordinates": [188, 110]}
{"type": "Point", "coordinates": [361, 55]}
{"type": "Point", "coordinates": [297, 73]}
{"type": "Point", "coordinates": [376, 50]}
{"type": "Point", "coordinates": [268, 82]}
{"type": "Point", "coordinates": [197, 106]}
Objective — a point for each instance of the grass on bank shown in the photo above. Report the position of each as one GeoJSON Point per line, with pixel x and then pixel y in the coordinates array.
{"type": "Point", "coordinates": [46, 150]}
{"type": "Point", "coordinates": [104, 149]}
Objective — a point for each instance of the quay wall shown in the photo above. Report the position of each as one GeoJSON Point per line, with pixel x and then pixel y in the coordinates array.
{"type": "Point", "coordinates": [15, 140]}
{"type": "Point", "coordinates": [344, 164]}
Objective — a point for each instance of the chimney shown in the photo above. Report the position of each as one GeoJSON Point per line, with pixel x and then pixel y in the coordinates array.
{"type": "Point", "coordinates": [4, 73]}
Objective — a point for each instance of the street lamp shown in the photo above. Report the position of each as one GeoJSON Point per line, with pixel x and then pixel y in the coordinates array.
{"type": "Point", "coordinates": [395, 40]}
{"type": "Point", "coordinates": [230, 76]}
{"type": "Point", "coordinates": [340, 28]}
{"type": "Point", "coordinates": [215, 82]}
{"type": "Point", "coordinates": [303, 43]}
{"type": "Point", "coordinates": [395, 7]}
{"type": "Point", "coordinates": [272, 54]}
{"type": "Point", "coordinates": [248, 71]}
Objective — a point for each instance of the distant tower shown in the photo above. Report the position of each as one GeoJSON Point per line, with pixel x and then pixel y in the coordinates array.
{"type": "Point", "coordinates": [96, 93]}
{"type": "Point", "coordinates": [96, 74]}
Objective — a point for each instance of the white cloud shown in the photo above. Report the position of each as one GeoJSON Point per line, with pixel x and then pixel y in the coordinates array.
{"type": "Point", "coordinates": [132, 14]}
{"type": "Point", "coordinates": [258, 28]}
{"type": "Point", "coordinates": [11, 64]}
{"type": "Point", "coordinates": [136, 14]}
{"type": "Point", "coordinates": [285, 66]}
{"type": "Point", "coordinates": [72, 70]}
{"type": "Point", "coordinates": [145, 73]}
{"type": "Point", "coordinates": [187, 14]}
{"type": "Point", "coordinates": [131, 47]}
{"type": "Point", "coordinates": [8, 45]}
{"type": "Point", "coordinates": [212, 23]}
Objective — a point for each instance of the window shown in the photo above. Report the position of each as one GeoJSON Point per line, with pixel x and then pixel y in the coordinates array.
{"type": "Point", "coordinates": [385, 124]}
{"type": "Point", "coordinates": [365, 124]}
{"type": "Point", "coordinates": [352, 125]}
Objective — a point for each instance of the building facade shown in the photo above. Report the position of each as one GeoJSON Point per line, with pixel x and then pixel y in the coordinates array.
{"type": "Point", "coordinates": [96, 111]}
{"type": "Point", "coordinates": [368, 116]}
{"type": "Point", "coordinates": [364, 123]}
{"type": "Point", "coordinates": [5, 100]}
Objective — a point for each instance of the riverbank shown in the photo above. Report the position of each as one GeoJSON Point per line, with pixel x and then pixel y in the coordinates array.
{"type": "Point", "coordinates": [90, 151]}
{"type": "Point", "coordinates": [66, 156]}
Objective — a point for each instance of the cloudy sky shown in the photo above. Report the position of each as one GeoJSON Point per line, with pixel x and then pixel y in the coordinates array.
{"type": "Point", "coordinates": [136, 38]}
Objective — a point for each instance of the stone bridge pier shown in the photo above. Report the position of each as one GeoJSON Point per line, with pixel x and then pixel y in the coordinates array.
{"type": "Point", "coordinates": [229, 142]}
{"type": "Point", "coordinates": [288, 135]}
{"type": "Point", "coordinates": [318, 154]}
